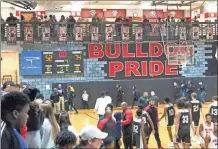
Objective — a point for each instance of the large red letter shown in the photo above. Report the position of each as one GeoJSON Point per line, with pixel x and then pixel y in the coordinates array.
{"type": "Point", "coordinates": [152, 49]}
{"type": "Point", "coordinates": [144, 68]}
{"type": "Point", "coordinates": [170, 69]}
{"type": "Point", "coordinates": [115, 67]}
{"type": "Point", "coordinates": [156, 68]}
{"type": "Point", "coordinates": [108, 52]}
{"type": "Point", "coordinates": [125, 50]}
{"type": "Point", "coordinates": [132, 66]}
{"type": "Point", "coordinates": [139, 51]}
{"type": "Point", "coordinates": [95, 51]}
{"type": "Point", "coordinates": [171, 51]}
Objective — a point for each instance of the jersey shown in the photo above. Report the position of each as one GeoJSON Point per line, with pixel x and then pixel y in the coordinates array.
{"type": "Point", "coordinates": [136, 126]}
{"type": "Point", "coordinates": [137, 136]}
{"type": "Point", "coordinates": [213, 141]}
{"type": "Point", "coordinates": [170, 113]}
{"type": "Point", "coordinates": [195, 108]}
{"type": "Point", "coordinates": [207, 129]}
{"type": "Point", "coordinates": [213, 111]}
{"type": "Point", "coordinates": [184, 120]}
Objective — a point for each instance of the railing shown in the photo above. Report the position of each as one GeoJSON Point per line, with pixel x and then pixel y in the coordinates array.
{"type": "Point", "coordinates": [149, 31]}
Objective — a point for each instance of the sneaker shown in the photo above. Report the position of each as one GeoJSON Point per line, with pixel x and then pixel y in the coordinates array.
{"type": "Point", "coordinates": [170, 144]}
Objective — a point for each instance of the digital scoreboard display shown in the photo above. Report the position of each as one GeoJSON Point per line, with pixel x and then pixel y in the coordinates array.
{"type": "Point", "coordinates": [60, 62]}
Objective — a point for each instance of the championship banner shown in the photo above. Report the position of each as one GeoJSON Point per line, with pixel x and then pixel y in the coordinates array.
{"type": "Point", "coordinates": [125, 33]}
{"type": "Point", "coordinates": [163, 30]}
{"type": "Point", "coordinates": [138, 33]}
{"type": "Point", "coordinates": [209, 32]}
{"type": "Point", "coordinates": [12, 35]}
{"type": "Point", "coordinates": [79, 33]}
{"type": "Point", "coordinates": [28, 34]}
{"type": "Point", "coordinates": [195, 33]}
{"type": "Point", "coordinates": [62, 34]}
{"type": "Point", "coordinates": [46, 34]}
{"type": "Point", "coordinates": [182, 35]}
{"type": "Point", "coordinates": [108, 35]}
{"type": "Point", "coordinates": [94, 33]}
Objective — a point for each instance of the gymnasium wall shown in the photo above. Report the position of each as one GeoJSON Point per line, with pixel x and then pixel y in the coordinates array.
{"type": "Point", "coordinates": [96, 77]}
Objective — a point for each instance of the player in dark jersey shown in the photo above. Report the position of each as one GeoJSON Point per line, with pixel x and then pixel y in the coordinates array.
{"type": "Point", "coordinates": [196, 107]}
{"type": "Point", "coordinates": [213, 110]}
{"type": "Point", "coordinates": [142, 125]}
{"type": "Point", "coordinates": [183, 120]}
{"type": "Point", "coordinates": [169, 113]}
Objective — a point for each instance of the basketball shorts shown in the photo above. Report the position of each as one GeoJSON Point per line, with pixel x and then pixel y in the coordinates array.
{"type": "Point", "coordinates": [183, 136]}
{"type": "Point", "coordinates": [170, 123]}
{"type": "Point", "coordinates": [196, 123]}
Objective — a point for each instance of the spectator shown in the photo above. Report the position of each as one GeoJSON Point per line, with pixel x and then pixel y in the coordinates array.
{"type": "Point", "coordinates": [71, 97]}
{"type": "Point", "coordinates": [14, 108]}
{"type": "Point", "coordinates": [100, 106]}
{"type": "Point", "coordinates": [50, 127]}
{"type": "Point", "coordinates": [155, 98]}
{"type": "Point", "coordinates": [126, 124]}
{"type": "Point", "coordinates": [34, 18]}
{"type": "Point", "coordinates": [65, 140]}
{"type": "Point", "coordinates": [91, 137]}
{"type": "Point", "coordinates": [11, 20]}
{"type": "Point", "coordinates": [55, 98]}
{"type": "Point", "coordinates": [70, 26]}
{"type": "Point", "coordinates": [85, 98]}
{"type": "Point", "coordinates": [143, 101]}
{"type": "Point", "coordinates": [65, 124]}
{"type": "Point", "coordinates": [136, 95]}
{"type": "Point", "coordinates": [118, 116]}
{"type": "Point", "coordinates": [61, 97]}
{"type": "Point", "coordinates": [120, 94]}
{"type": "Point", "coordinates": [109, 143]}
{"type": "Point", "coordinates": [108, 98]}
{"type": "Point", "coordinates": [35, 120]}
{"type": "Point", "coordinates": [22, 18]}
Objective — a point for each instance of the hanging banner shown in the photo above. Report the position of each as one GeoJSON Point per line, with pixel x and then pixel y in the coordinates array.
{"type": "Point", "coordinates": [209, 32]}
{"type": "Point", "coordinates": [163, 30]}
{"type": "Point", "coordinates": [195, 33]}
{"type": "Point", "coordinates": [28, 34]}
{"type": "Point", "coordinates": [62, 34]}
{"type": "Point", "coordinates": [79, 33]}
{"type": "Point", "coordinates": [182, 34]}
{"type": "Point", "coordinates": [125, 33]}
{"type": "Point", "coordinates": [138, 33]}
{"type": "Point", "coordinates": [109, 34]}
{"type": "Point", "coordinates": [94, 33]}
{"type": "Point", "coordinates": [46, 34]}
{"type": "Point", "coordinates": [12, 35]}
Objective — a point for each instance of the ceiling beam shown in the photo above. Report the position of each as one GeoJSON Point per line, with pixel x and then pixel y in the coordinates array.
{"type": "Point", "coordinates": [170, 4]}
{"type": "Point", "coordinates": [14, 4]}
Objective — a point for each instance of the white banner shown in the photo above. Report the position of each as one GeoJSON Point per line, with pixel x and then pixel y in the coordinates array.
{"type": "Point", "coordinates": [182, 35]}
{"type": "Point", "coordinates": [46, 33]}
{"type": "Point", "coordinates": [109, 34]}
{"type": "Point", "coordinates": [94, 33]}
{"type": "Point", "coordinates": [138, 33]}
{"type": "Point", "coordinates": [195, 33]}
{"type": "Point", "coordinates": [209, 32]}
{"type": "Point", "coordinates": [125, 33]}
{"type": "Point", "coordinates": [79, 33]}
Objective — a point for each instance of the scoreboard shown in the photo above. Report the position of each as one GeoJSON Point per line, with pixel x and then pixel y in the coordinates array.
{"type": "Point", "coordinates": [60, 62]}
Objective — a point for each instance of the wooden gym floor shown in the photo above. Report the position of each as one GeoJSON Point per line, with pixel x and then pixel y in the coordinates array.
{"type": "Point", "coordinates": [88, 117]}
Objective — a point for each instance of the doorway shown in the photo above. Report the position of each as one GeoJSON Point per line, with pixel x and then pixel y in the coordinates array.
{"type": "Point", "coordinates": [27, 15]}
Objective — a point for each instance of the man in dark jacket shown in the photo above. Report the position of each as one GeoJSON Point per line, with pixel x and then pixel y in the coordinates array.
{"type": "Point", "coordinates": [153, 113]}
{"type": "Point", "coordinates": [143, 101]}
{"type": "Point", "coordinates": [71, 97]}
{"type": "Point", "coordinates": [136, 95]}
{"type": "Point", "coordinates": [119, 95]}
{"type": "Point", "coordinates": [126, 123]}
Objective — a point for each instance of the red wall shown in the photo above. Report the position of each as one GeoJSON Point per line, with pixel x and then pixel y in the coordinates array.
{"type": "Point", "coordinates": [114, 13]}
{"type": "Point", "coordinates": [86, 13]}
{"type": "Point", "coordinates": [177, 13]}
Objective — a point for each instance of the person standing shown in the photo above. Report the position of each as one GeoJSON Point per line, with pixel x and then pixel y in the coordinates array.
{"type": "Point", "coordinates": [176, 91]}
{"type": "Point", "coordinates": [118, 132]}
{"type": "Point", "coordinates": [55, 98]}
{"type": "Point", "coordinates": [202, 90]}
{"type": "Point", "coordinates": [71, 97]}
{"type": "Point", "coordinates": [169, 114]}
{"type": "Point", "coordinates": [108, 98]}
{"type": "Point", "coordinates": [119, 96]}
{"type": "Point", "coordinates": [14, 115]}
{"type": "Point", "coordinates": [61, 97]}
{"type": "Point", "coordinates": [126, 123]}
{"type": "Point", "coordinates": [211, 140]}
{"type": "Point", "coordinates": [100, 106]}
{"type": "Point", "coordinates": [190, 89]}
{"type": "Point", "coordinates": [143, 101]}
{"type": "Point", "coordinates": [85, 98]}
{"type": "Point", "coordinates": [152, 110]}
{"type": "Point", "coordinates": [136, 95]}
{"type": "Point", "coordinates": [213, 109]}
{"type": "Point", "coordinates": [155, 98]}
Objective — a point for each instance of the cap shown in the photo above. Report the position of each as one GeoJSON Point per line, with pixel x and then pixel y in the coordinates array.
{"type": "Point", "coordinates": [91, 132]}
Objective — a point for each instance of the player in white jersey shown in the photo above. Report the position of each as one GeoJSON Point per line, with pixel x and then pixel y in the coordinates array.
{"type": "Point", "coordinates": [205, 129]}
{"type": "Point", "coordinates": [211, 139]}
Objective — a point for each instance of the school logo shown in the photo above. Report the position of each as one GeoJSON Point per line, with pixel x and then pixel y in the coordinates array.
{"type": "Point", "coordinates": [153, 14]}
{"type": "Point", "coordinates": [114, 12]}
{"type": "Point", "coordinates": [172, 13]}
{"type": "Point", "coordinates": [92, 12]}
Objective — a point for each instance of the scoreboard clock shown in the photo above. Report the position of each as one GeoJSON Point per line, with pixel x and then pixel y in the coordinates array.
{"type": "Point", "coordinates": [60, 62]}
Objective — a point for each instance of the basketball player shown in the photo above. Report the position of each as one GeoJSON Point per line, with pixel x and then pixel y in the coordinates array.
{"type": "Point", "coordinates": [141, 128]}
{"type": "Point", "coordinates": [213, 109]}
{"type": "Point", "coordinates": [183, 120]}
{"type": "Point", "coordinates": [169, 114]}
{"type": "Point", "coordinates": [205, 129]}
{"type": "Point", "coordinates": [211, 140]}
{"type": "Point", "coordinates": [196, 107]}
